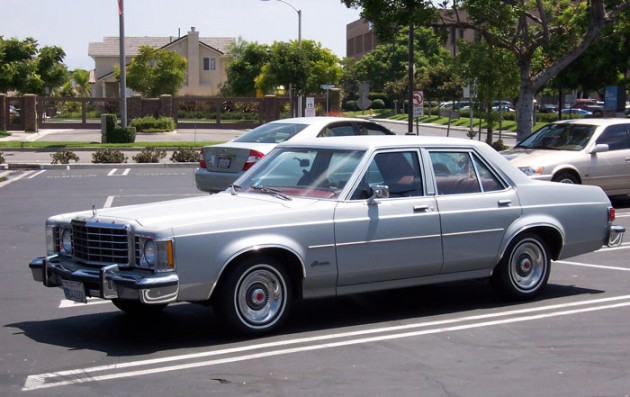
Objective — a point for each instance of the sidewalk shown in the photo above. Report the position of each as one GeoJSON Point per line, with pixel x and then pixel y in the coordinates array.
{"type": "Point", "coordinates": [41, 158]}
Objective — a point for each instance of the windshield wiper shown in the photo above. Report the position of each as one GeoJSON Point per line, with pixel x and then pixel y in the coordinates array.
{"type": "Point", "coordinates": [276, 192]}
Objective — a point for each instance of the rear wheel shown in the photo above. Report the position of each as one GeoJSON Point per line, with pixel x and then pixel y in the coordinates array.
{"type": "Point", "coordinates": [524, 269]}
{"type": "Point", "coordinates": [255, 296]}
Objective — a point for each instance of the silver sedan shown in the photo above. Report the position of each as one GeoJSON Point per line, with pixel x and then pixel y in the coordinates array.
{"type": "Point", "coordinates": [585, 151]}
{"type": "Point", "coordinates": [327, 217]}
{"type": "Point", "coordinates": [220, 165]}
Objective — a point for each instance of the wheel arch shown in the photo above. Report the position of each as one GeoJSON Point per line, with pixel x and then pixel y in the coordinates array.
{"type": "Point", "coordinates": [569, 170]}
{"type": "Point", "coordinates": [289, 259]}
{"type": "Point", "coordinates": [549, 233]}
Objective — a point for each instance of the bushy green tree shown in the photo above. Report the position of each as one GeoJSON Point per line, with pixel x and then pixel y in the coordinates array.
{"type": "Point", "coordinates": [245, 64]}
{"type": "Point", "coordinates": [545, 36]}
{"type": "Point", "coordinates": [26, 68]}
{"type": "Point", "coordinates": [155, 71]}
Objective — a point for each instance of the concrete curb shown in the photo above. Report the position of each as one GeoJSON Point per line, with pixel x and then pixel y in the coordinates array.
{"type": "Point", "coordinates": [39, 166]}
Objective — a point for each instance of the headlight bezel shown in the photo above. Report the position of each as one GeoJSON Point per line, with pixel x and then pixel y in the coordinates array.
{"type": "Point", "coordinates": [532, 171]}
{"type": "Point", "coordinates": [154, 254]}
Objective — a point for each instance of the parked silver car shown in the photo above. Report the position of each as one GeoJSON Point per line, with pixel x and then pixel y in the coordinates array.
{"type": "Point", "coordinates": [220, 165]}
{"type": "Point", "coordinates": [586, 151]}
{"type": "Point", "coordinates": [325, 217]}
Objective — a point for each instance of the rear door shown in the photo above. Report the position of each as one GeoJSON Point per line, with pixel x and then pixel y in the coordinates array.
{"type": "Point", "coordinates": [476, 207]}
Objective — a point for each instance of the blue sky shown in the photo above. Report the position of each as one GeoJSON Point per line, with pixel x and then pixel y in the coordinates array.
{"type": "Point", "coordinates": [73, 24]}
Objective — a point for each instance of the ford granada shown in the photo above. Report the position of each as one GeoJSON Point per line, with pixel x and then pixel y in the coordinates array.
{"type": "Point", "coordinates": [326, 217]}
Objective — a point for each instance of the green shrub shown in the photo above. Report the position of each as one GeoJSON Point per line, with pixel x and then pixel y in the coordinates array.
{"type": "Point", "coordinates": [185, 155]}
{"type": "Point", "coordinates": [499, 145]}
{"type": "Point", "coordinates": [150, 155]}
{"type": "Point", "coordinates": [117, 134]}
{"type": "Point", "coordinates": [378, 104]}
{"type": "Point", "coordinates": [108, 156]}
{"type": "Point", "coordinates": [151, 124]}
{"type": "Point", "coordinates": [64, 157]}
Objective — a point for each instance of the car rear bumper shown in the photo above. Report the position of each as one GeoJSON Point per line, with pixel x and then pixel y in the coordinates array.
{"type": "Point", "coordinates": [615, 235]}
{"type": "Point", "coordinates": [213, 182]}
{"type": "Point", "coordinates": [108, 282]}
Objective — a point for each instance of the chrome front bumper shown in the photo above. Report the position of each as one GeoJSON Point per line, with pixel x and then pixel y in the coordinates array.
{"type": "Point", "coordinates": [107, 282]}
{"type": "Point", "coordinates": [615, 235]}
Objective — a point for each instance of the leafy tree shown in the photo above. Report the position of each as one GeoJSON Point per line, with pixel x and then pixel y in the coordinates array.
{"type": "Point", "coordinates": [155, 71]}
{"type": "Point", "coordinates": [305, 69]}
{"type": "Point", "coordinates": [246, 62]}
{"type": "Point", "coordinates": [27, 69]}
{"type": "Point", "coordinates": [491, 70]}
{"type": "Point", "coordinates": [545, 36]}
{"type": "Point", "coordinates": [81, 80]}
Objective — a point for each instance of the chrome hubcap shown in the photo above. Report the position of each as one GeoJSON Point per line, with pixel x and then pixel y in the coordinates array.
{"type": "Point", "coordinates": [260, 296]}
{"type": "Point", "coordinates": [528, 265]}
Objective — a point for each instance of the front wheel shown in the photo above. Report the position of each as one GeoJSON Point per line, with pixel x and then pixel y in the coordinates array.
{"type": "Point", "coordinates": [566, 177]}
{"type": "Point", "coordinates": [255, 296]}
{"type": "Point", "coordinates": [524, 269]}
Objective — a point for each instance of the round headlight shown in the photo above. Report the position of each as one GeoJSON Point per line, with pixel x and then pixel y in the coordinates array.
{"type": "Point", "coordinates": [66, 241]}
{"type": "Point", "coordinates": [149, 252]}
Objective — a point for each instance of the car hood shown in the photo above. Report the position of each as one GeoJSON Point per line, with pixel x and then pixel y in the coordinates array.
{"type": "Point", "coordinates": [539, 157]}
{"type": "Point", "coordinates": [219, 211]}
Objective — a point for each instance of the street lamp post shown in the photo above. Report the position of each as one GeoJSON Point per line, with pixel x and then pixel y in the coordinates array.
{"type": "Point", "coordinates": [299, 13]}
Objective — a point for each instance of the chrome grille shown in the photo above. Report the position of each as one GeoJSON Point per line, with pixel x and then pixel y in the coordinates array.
{"type": "Point", "coordinates": [98, 244]}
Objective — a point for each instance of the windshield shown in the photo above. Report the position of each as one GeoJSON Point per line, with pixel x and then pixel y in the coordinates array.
{"type": "Point", "coordinates": [315, 173]}
{"type": "Point", "coordinates": [559, 137]}
{"type": "Point", "coordinates": [271, 133]}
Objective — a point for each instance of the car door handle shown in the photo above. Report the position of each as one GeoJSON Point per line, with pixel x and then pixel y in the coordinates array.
{"type": "Point", "coordinates": [421, 208]}
{"type": "Point", "coordinates": [505, 203]}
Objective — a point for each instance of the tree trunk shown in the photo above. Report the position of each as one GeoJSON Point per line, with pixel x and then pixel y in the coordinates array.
{"type": "Point", "coordinates": [525, 104]}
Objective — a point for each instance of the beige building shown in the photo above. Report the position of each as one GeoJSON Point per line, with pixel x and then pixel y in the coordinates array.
{"type": "Point", "coordinates": [361, 39]}
{"type": "Point", "coordinates": [207, 58]}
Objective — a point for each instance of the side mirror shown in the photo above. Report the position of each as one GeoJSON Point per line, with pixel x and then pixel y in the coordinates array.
{"type": "Point", "coordinates": [378, 192]}
{"type": "Point", "coordinates": [600, 147]}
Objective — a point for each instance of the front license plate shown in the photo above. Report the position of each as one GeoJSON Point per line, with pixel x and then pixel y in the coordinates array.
{"type": "Point", "coordinates": [74, 291]}
{"type": "Point", "coordinates": [224, 162]}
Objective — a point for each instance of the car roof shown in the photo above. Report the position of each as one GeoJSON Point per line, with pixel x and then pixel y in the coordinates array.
{"type": "Point", "coordinates": [594, 121]}
{"type": "Point", "coordinates": [323, 120]}
{"type": "Point", "coordinates": [371, 142]}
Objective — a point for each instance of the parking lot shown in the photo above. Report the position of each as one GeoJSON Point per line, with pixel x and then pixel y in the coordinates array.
{"type": "Point", "coordinates": [456, 339]}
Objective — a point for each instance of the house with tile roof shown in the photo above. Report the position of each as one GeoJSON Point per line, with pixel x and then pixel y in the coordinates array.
{"type": "Point", "coordinates": [207, 58]}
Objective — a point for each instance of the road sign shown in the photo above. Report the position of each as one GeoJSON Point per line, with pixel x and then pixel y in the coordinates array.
{"type": "Point", "coordinates": [418, 104]}
{"type": "Point", "coordinates": [310, 102]}
{"type": "Point", "coordinates": [327, 86]}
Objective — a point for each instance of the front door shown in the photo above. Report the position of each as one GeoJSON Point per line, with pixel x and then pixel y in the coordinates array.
{"type": "Point", "coordinates": [388, 239]}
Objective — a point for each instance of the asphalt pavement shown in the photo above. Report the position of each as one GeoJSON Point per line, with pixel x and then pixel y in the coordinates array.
{"type": "Point", "coordinates": [29, 158]}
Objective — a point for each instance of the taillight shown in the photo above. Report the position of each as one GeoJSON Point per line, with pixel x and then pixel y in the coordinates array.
{"type": "Point", "coordinates": [252, 158]}
{"type": "Point", "coordinates": [202, 160]}
{"type": "Point", "coordinates": [611, 214]}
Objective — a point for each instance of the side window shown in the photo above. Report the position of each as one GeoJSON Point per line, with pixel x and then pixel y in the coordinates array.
{"type": "Point", "coordinates": [462, 172]}
{"type": "Point", "coordinates": [400, 171]}
{"type": "Point", "coordinates": [338, 130]}
{"type": "Point", "coordinates": [616, 137]}
{"type": "Point", "coordinates": [372, 129]}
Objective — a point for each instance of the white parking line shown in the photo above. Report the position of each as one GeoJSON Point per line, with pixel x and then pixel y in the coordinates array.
{"type": "Point", "coordinates": [594, 266]}
{"type": "Point", "coordinates": [114, 170]}
{"type": "Point", "coordinates": [17, 178]}
{"type": "Point", "coordinates": [109, 201]}
{"type": "Point", "coordinates": [35, 174]}
{"type": "Point", "coordinates": [252, 352]}
{"type": "Point", "coordinates": [65, 303]}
